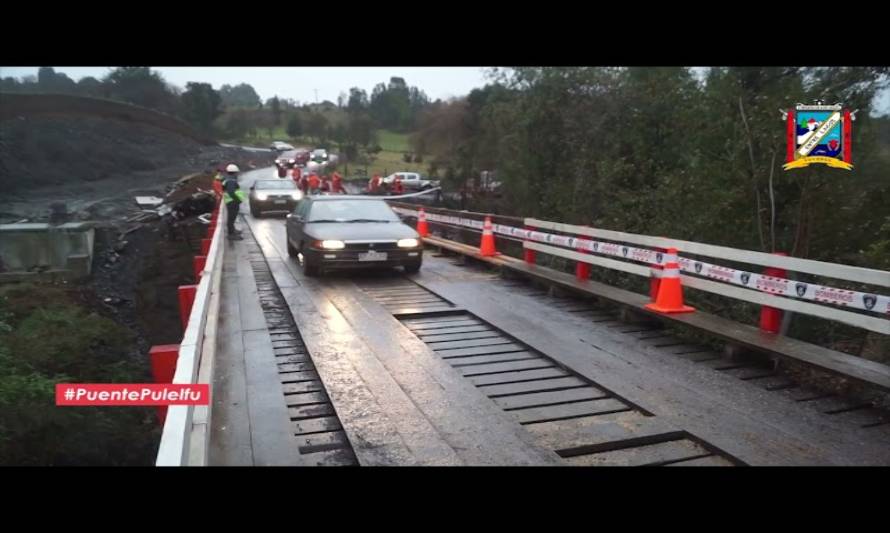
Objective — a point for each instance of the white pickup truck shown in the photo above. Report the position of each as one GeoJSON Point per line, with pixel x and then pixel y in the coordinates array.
{"type": "Point", "coordinates": [412, 181]}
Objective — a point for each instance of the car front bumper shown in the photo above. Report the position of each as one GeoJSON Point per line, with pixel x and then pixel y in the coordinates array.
{"type": "Point", "coordinates": [348, 259]}
{"type": "Point", "coordinates": [273, 205]}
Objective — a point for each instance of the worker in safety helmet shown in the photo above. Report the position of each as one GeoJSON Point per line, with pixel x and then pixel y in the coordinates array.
{"type": "Point", "coordinates": [337, 183]}
{"type": "Point", "coordinates": [314, 183]}
{"type": "Point", "coordinates": [232, 197]}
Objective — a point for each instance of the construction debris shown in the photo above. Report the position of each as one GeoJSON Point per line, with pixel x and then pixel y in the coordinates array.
{"type": "Point", "coordinates": [149, 201]}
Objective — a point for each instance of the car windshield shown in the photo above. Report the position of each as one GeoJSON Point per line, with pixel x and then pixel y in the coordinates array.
{"type": "Point", "coordinates": [277, 184]}
{"type": "Point", "coordinates": [352, 211]}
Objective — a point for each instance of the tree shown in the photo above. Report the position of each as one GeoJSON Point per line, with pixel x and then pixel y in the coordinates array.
{"type": "Point", "coordinates": [89, 86]}
{"type": "Point", "coordinates": [294, 126]}
{"type": "Point", "coordinates": [316, 126]}
{"type": "Point", "coordinates": [48, 80]}
{"type": "Point", "coordinates": [202, 105]}
{"type": "Point", "coordinates": [358, 101]}
{"type": "Point", "coordinates": [241, 95]}
{"type": "Point", "coordinates": [239, 125]}
{"type": "Point", "coordinates": [141, 86]}
{"type": "Point", "coordinates": [275, 106]}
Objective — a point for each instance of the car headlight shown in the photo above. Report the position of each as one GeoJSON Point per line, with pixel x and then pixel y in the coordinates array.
{"type": "Point", "coordinates": [408, 243]}
{"type": "Point", "coordinates": [291, 161]}
{"type": "Point", "coordinates": [261, 196]}
{"type": "Point", "coordinates": [333, 245]}
{"type": "Point", "coordinates": [297, 195]}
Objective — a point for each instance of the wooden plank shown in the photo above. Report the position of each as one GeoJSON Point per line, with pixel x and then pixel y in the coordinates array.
{"type": "Point", "coordinates": [522, 375]}
{"type": "Point", "coordinates": [315, 425]}
{"type": "Point", "coordinates": [230, 423]}
{"type": "Point", "coordinates": [540, 399]}
{"type": "Point", "coordinates": [831, 270]}
{"type": "Point", "coordinates": [415, 310]}
{"type": "Point", "coordinates": [650, 454]}
{"type": "Point", "coordinates": [410, 322]}
{"type": "Point", "coordinates": [310, 411]}
{"type": "Point", "coordinates": [315, 442]}
{"type": "Point", "coordinates": [295, 367]}
{"type": "Point", "coordinates": [493, 391]}
{"type": "Point", "coordinates": [837, 314]}
{"type": "Point", "coordinates": [301, 387]}
{"type": "Point", "coordinates": [570, 410]}
{"type": "Point", "coordinates": [480, 350]}
{"type": "Point", "coordinates": [434, 339]}
{"type": "Point", "coordinates": [510, 366]}
{"type": "Point", "coordinates": [623, 266]}
{"type": "Point", "coordinates": [600, 433]}
{"type": "Point", "coordinates": [301, 358]}
{"type": "Point", "coordinates": [473, 343]}
{"type": "Point", "coordinates": [296, 377]}
{"type": "Point", "coordinates": [710, 460]}
{"type": "Point", "coordinates": [473, 360]}
{"type": "Point", "coordinates": [305, 398]}
{"type": "Point", "coordinates": [452, 329]}
{"type": "Point", "coordinates": [404, 302]}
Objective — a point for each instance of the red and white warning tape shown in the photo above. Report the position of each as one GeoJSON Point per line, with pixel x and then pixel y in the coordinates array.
{"type": "Point", "coordinates": [875, 303]}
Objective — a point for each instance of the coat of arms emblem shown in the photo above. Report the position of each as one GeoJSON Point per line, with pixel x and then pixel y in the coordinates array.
{"type": "Point", "coordinates": [819, 134]}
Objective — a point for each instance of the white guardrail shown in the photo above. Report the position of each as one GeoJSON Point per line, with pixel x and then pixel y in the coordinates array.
{"type": "Point", "coordinates": [742, 285]}
{"type": "Point", "coordinates": [185, 437]}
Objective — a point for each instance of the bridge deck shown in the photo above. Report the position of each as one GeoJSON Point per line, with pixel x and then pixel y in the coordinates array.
{"type": "Point", "coordinates": [457, 366]}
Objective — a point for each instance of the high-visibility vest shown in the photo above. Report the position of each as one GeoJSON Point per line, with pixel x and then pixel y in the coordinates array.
{"type": "Point", "coordinates": [239, 194]}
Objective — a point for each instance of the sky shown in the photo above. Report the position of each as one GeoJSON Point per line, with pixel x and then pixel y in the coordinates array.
{"type": "Point", "coordinates": [301, 83]}
{"type": "Point", "coordinates": [310, 84]}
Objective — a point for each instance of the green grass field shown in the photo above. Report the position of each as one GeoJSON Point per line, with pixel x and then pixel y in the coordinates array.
{"type": "Point", "coordinates": [386, 162]}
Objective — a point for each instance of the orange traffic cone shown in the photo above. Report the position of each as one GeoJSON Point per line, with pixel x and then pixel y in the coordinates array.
{"type": "Point", "coordinates": [486, 247]}
{"type": "Point", "coordinates": [670, 291]}
{"type": "Point", "coordinates": [422, 228]}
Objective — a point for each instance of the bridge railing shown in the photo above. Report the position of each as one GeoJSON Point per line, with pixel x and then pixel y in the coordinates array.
{"type": "Point", "coordinates": [185, 436]}
{"type": "Point", "coordinates": [643, 255]}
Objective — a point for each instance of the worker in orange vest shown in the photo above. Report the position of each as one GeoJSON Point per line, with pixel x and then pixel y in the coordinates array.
{"type": "Point", "coordinates": [397, 185]}
{"type": "Point", "coordinates": [374, 184]}
{"type": "Point", "coordinates": [337, 183]}
{"type": "Point", "coordinates": [325, 183]}
{"type": "Point", "coordinates": [314, 183]}
{"type": "Point", "coordinates": [297, 174]}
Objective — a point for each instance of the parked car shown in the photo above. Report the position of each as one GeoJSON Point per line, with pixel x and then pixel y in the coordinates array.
{"type": "Point", "coordinates": [333, 232]}
{"type": "Point", "coordinates": [267, 196]}
{"type": "Point", "coordinates": [411, 181]}
{"type": "Point", "coordinates": [279, 146]}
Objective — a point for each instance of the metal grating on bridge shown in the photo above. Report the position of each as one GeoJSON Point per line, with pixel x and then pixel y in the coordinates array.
{"type": "Point", "coordinates": [534, 389]}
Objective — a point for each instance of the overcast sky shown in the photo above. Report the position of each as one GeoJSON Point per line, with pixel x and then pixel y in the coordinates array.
{"type": "Point", "coordinates": [301, 83]}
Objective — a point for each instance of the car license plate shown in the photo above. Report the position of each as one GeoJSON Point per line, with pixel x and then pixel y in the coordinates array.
{"type": "Point", "coordinates": [280, 202]}
{"type": "Point", "coordinates": [372, 256]}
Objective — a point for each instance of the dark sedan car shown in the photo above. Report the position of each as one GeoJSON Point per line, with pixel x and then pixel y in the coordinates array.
{"type": "Point", "coordinates": [332, 232]}
{"type": "Point", "coordinates": [273, 196]}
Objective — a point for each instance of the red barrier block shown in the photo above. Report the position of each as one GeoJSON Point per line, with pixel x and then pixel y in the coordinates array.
{"type": "Point", "coordinates": [582, 269]}
{"type": "Point", "coordinates": [770, 317]}
{"type": "Point", "coordinates": [163, 359]}
{"type": "Point", "coordinates": [210, 229]}
{"type": "Point", "coordinates": [529, 255]}
{"type": "Point", "coordinates": [186, 300]}
{"type": "Point", "coordinates": [205, 246]}
{"type": "Point", "coordinates": [199, 263]}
